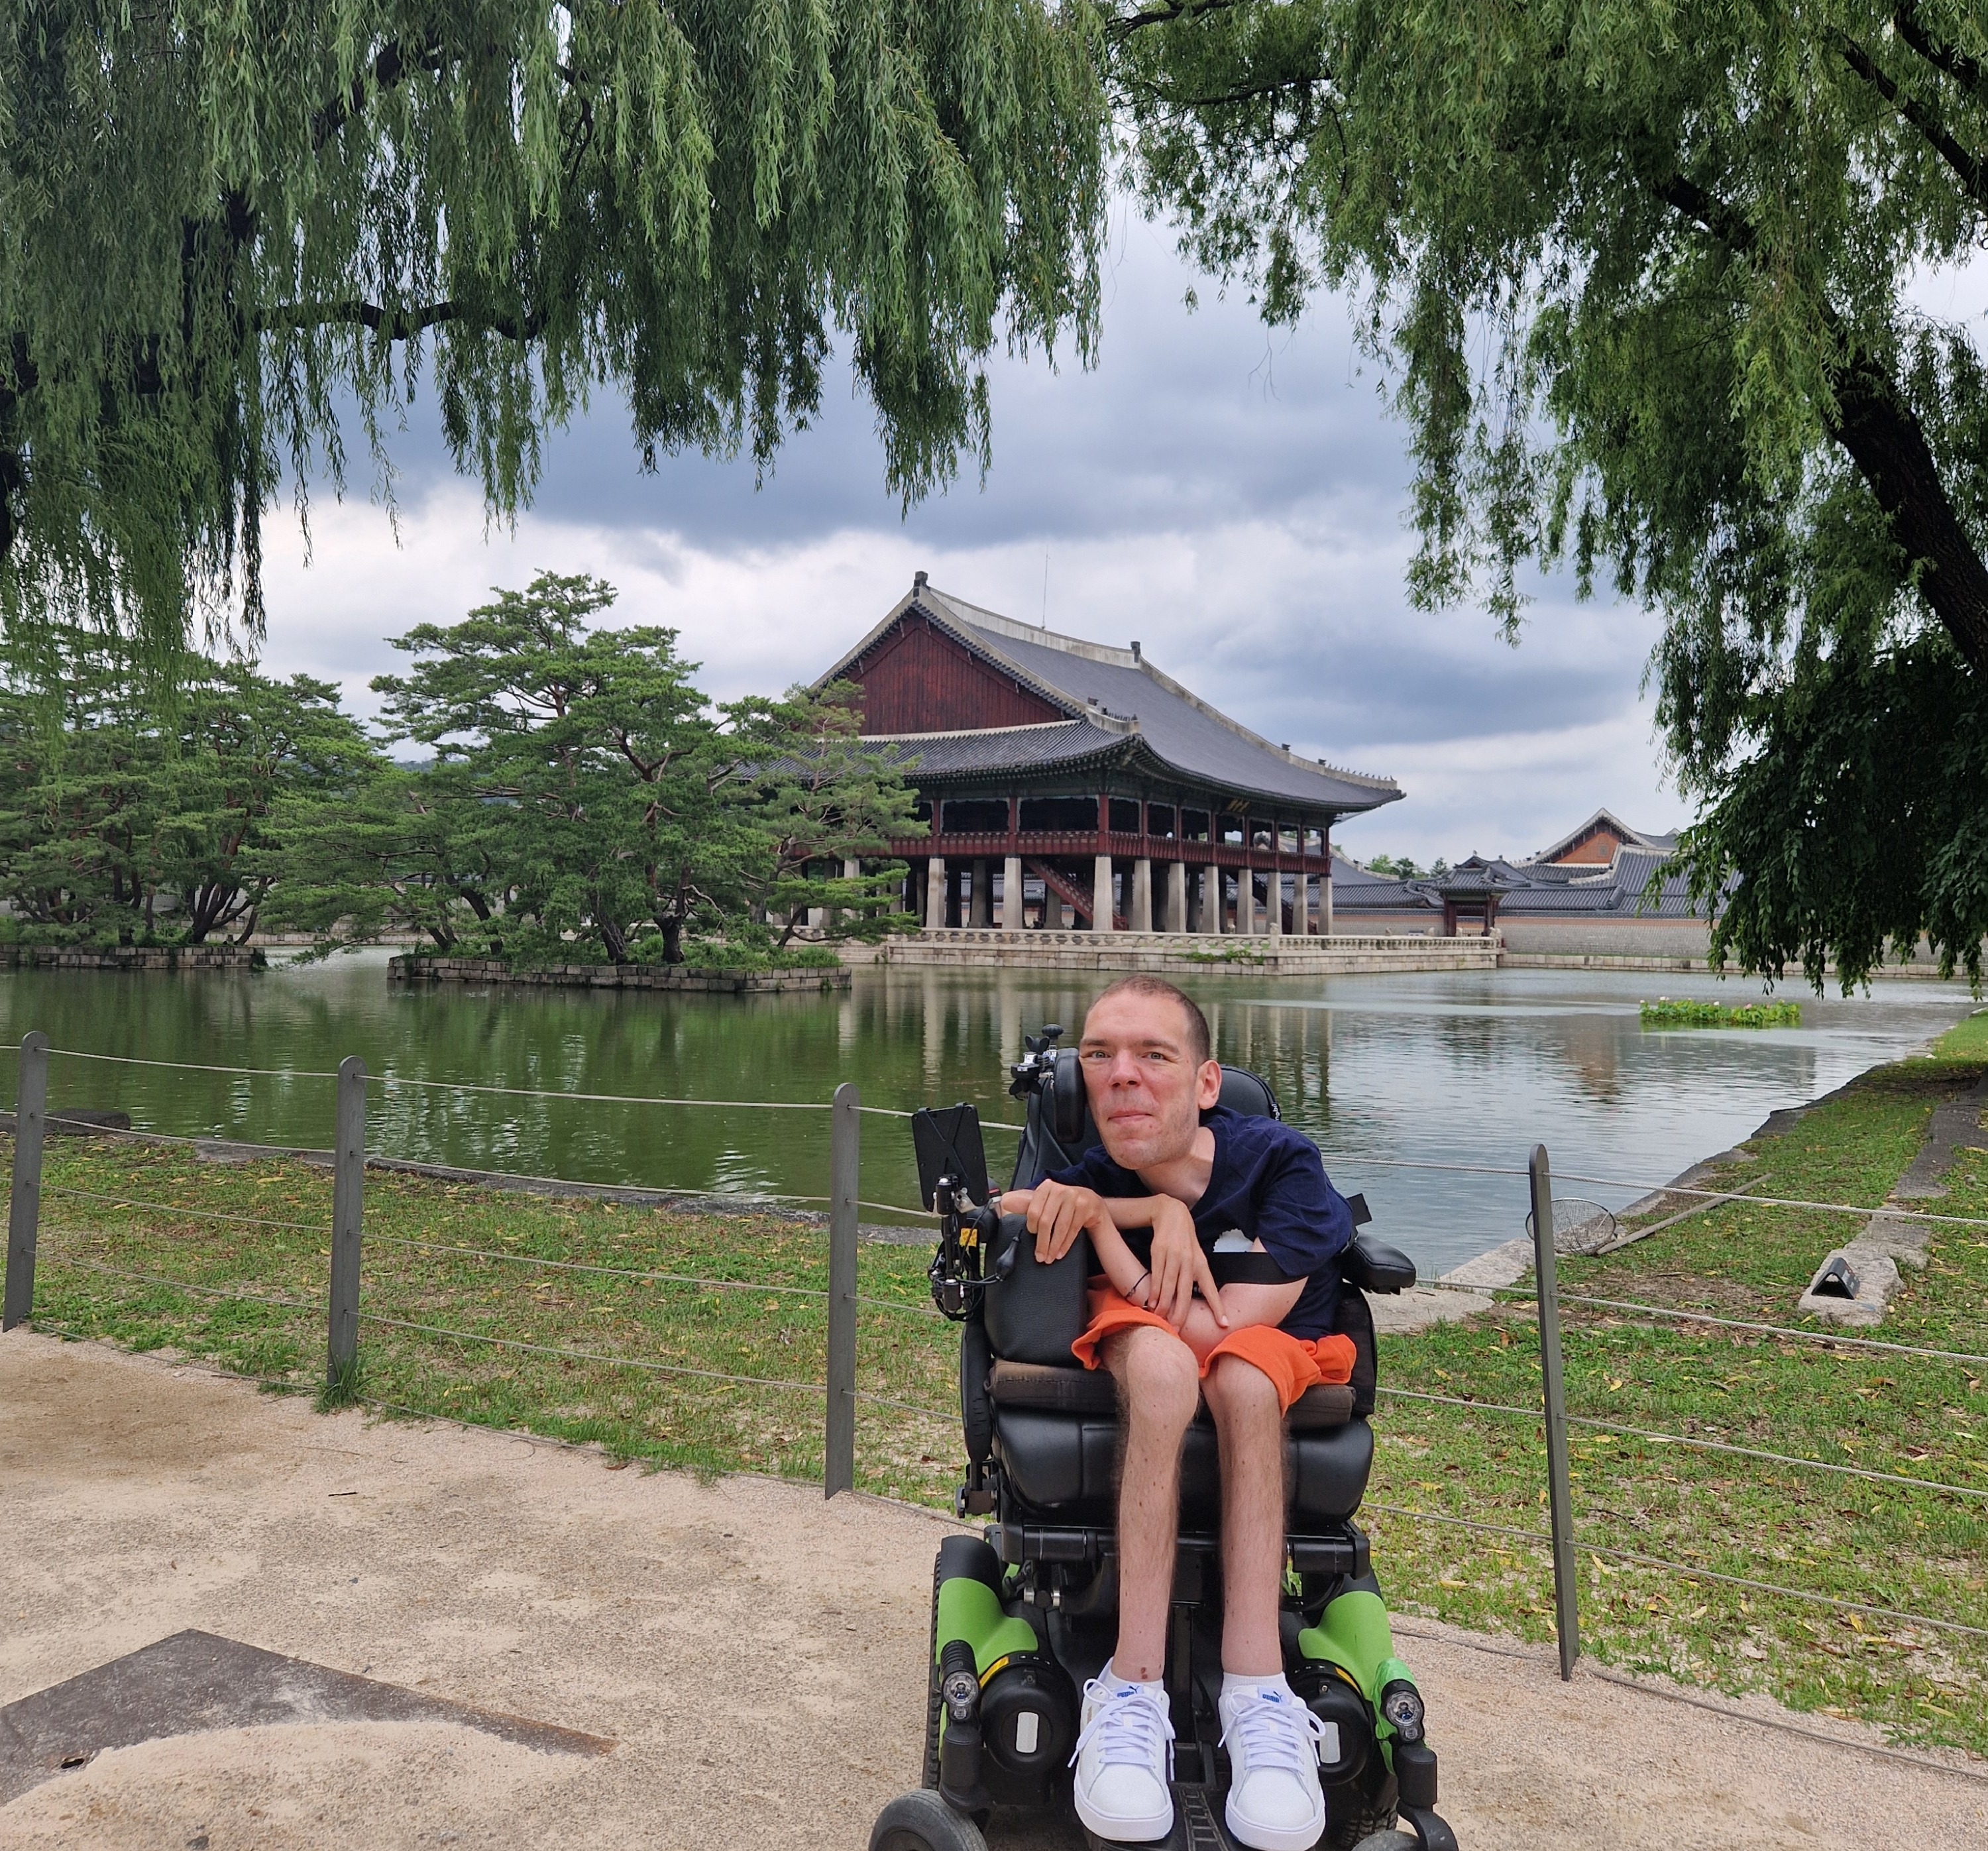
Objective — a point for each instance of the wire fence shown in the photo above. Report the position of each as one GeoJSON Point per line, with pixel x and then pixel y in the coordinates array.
{"type": "Point", "coordinates": [842, 1306]}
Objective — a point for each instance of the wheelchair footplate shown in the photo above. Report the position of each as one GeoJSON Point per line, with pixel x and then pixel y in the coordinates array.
{"type": "Point", "coordinates": [1198, 1823]}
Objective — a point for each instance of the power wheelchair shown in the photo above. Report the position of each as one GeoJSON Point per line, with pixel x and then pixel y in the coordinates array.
{"type": "Point", "coordinates": [1025, 1612]}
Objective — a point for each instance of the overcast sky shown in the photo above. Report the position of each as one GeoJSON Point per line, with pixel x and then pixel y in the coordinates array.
{"type": "Point", "coordinates": [1234, 499]}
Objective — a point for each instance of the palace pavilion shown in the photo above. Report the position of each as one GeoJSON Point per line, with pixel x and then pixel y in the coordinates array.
{"type": "Point", "coordinates": [1073, 784]}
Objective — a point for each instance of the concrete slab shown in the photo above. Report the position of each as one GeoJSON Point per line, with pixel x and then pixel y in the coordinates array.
{"type": "Point", "coordinates": [194, 1682]}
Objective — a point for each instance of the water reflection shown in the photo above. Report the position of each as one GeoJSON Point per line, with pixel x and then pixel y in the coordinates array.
{"type": "Point", "coordinates": [1456, 1067]}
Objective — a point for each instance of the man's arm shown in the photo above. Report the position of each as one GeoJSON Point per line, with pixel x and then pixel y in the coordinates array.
{"type": "Point", "coordinates": [1057, 1212]}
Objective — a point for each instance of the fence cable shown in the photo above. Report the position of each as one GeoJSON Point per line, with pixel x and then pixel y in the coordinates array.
{"type": "Point", "coordinates": [1827, 1338]}
{"type": "Point", "coordinates": [596, 1099]}
{"type": "Point", "coordinates": [633, 1272]}
{"type": "Point", "coordinates": [581, 1266]}
{"type": "Point", "coordinates": [191, 1214]}
{"type": "Point", "coordinates": [1750, 1452]}
{"type": "Point", "coordinates": [626, 1362]}
{"type": "Point", "coordinates": [1459, 1523]}
{"type": "Point", "coordinates": [197, 1066]}
{"type": "Point", "coordinates": [1769, 1587]}
{"type": "Point", "coordinates": [186, 1285]}
{"type": "Point", "coordinates": [1694, 1441]}
{"type": "Point", "coordinates": [931, 1413]}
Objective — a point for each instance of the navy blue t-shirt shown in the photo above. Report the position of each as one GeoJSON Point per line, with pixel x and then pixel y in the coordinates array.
{"type": "Point", "coordinates": [1268, 1183]}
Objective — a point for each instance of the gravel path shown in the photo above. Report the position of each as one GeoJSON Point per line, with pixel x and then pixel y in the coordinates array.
{"type": "Point", "coordinates": [754, 1654]}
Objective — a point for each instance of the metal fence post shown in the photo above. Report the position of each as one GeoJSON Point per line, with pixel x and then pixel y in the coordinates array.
{"type": "Point", "coordinates": [348, 1171]}
{"type": "Point", "coordinates": [23, 1207]}
{"type": "Point", "coordinates": [1567, 1609]}
{"type": "Point", "coordinates": [838, 1471]}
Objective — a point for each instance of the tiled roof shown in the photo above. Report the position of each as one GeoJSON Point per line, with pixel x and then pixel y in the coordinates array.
{"type": "Point", "coordinates": [1098, 685]}
{"type": "Point", "coordinates": [1525, 891]}
{"type": "Point", "coordinates": [1000, 748]}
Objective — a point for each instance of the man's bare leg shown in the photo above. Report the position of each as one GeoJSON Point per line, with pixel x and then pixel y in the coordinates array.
{"type": "Point", "coordinates": [1250, 1426]}
{"type": "Point", "coordinates": [1158, 1388]}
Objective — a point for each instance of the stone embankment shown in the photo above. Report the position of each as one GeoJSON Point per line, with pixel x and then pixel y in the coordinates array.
{"type": "Point", "coordinates": [677, 977]}
{"type": "Point", "coordinates": [132, 957]}
{"type": "Point", "coordinates": [975, 948]}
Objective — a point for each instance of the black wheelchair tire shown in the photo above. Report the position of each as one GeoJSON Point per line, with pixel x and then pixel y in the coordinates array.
{"type": "Point", "coordinates": [928, 1779]}
{"type": "Point", "coordinates": [1369, 1827]}
{"type": "Point", "coordinates": [923, 1822]}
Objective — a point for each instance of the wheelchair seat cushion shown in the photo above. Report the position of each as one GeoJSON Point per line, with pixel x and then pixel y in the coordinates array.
{"type": "Point", "coordinates": [1062, 1468]}
{"type": "Point", "coordinates": [1325, 1404]}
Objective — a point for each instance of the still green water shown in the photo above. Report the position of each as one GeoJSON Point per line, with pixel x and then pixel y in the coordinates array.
{"type": "Point", "coordinates": [1452, 1068]}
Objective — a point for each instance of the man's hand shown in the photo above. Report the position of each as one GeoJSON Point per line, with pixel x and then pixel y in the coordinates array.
{"type": "Point", "coordinates": [1057, 1213]}
{"type": "Point", "coordinates": [1179, 1265]}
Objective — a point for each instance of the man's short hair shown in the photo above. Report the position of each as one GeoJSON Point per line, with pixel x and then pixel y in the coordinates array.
{"type": "Point", "coordinates": [1200, 1044]}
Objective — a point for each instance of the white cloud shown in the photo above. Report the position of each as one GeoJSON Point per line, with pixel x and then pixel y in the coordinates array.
{"type": "Point", "coordinates": [1232, 500]}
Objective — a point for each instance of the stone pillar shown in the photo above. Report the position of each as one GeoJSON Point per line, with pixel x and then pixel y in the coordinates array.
{"type": "Point", "coordinates": [1273, 886]}
{"type": "Point", "coordinates": [1011, 896]}
{"type": "Point", "coordinates": [1101, 894]}
{"type": "Point", "coordinates": [1325, 899]}
{"type": "Point", "coordinates": [1140, 917]}
{"type": "Point", "coordinates": [1245, 901]}
{"type": "Point", "coordinates": [1176, 896]}
{"type": "Point", "coordinates": [983, 915]}
{"type": "Point", "coordinates": [935, 893]}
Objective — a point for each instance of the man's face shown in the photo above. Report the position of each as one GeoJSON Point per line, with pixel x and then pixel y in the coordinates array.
{"type": "Point", "coordinates": [1146, 1093]}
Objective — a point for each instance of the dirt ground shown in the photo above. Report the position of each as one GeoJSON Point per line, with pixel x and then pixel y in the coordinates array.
{"type": "Point", "coordinates": [754, 1654]}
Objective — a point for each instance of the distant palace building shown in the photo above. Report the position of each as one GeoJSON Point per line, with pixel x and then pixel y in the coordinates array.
{"type": "Point", "coordinates": [1584, 896]}
{"type": "Point", "coordinates": [1072, 783]}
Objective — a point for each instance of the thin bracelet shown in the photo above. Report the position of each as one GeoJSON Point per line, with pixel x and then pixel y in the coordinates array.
{"type": "Point", "coordinates": [1144, 1304]}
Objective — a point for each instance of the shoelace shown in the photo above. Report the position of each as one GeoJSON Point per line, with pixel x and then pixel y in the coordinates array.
{"type": "Point", "coordinates": [1280, 1732]}
{"type": "Point", "coordinates": [1130, 1724]}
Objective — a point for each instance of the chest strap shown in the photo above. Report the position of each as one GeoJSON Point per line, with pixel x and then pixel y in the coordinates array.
{"type": "Point", "coordinates": [1229, 1269]}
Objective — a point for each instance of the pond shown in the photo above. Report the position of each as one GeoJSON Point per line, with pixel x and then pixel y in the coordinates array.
{"type": "Point", "coordinates": [1448, 1068]}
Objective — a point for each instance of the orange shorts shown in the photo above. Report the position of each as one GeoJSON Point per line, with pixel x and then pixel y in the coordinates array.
{"type": "Point", "coordinates": [1294, 1364]}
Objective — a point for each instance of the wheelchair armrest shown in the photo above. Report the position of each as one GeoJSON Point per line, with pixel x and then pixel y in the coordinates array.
{"type": "Point", "coordinates": [1037, 1312]}
{"type": "Point", "coordinates": [1375, 1266]}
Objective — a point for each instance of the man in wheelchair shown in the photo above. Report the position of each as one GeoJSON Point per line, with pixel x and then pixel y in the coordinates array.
{"type": "Point", "coordinates": [1166, 1363]}
{"type": "Point", "coordinates": [1170, 1157]}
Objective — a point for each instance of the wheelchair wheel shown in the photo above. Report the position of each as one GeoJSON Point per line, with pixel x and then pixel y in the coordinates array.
{"type": "Point", "coordinates": [1390, 1840]}
{"type": "Point", "coordinates": [929, 1778]}
{"type": "Point", "coordinates": [923, 1822]}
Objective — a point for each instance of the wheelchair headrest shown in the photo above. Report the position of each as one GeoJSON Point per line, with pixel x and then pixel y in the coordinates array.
{"type": "Point", "coordinates": [1247, 1093]}
{"type": "Point", "coordinates": [1242, 1091]}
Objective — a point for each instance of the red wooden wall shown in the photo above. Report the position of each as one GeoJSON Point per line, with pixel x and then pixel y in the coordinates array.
{"type": "Point", "coordinates": [918, 679]}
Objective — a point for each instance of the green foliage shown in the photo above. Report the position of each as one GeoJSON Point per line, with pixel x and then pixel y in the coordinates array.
{"type": "Point", "coordinates": [1644, 276]}
{"type": "Point", "coordinates": [586, 796]}
{"type": "Point", "coordinates": [1669, 1012]}
{"type": "Point", "coordinates": [134, 813]}
{"type": "Point", "coordinates": [226, 218]}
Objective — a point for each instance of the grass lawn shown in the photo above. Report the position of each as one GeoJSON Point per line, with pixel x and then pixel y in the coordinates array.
{"type": "Point", "coordinates": [774, 1329]}
{"type": "Point", "coordinates": [1881, 1544]}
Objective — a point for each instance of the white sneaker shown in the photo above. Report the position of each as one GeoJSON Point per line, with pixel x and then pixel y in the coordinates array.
{"type": "Point", "coordinates": [1275, 1802]}
{"type": "Point", "coordinates": [1124, 1758]}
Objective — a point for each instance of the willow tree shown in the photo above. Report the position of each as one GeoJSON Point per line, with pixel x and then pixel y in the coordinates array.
{"type": "Point", "coordinates": [241, 234]}
{"type": "Point", "coordinates": [1647, 278]}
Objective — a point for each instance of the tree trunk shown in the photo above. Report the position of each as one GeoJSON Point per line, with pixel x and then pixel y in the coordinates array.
{"type": "Point", "coordinates": [672, 939]}
{"type": "Point", "coordinates": [1885, 441]}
